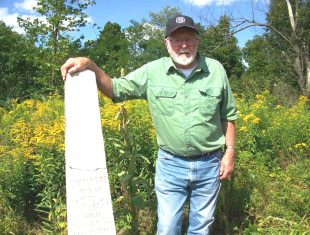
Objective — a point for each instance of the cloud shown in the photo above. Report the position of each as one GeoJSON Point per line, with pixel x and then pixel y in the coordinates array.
{"type": "Point", "coordinates": [89, 19]}
{"type": "Point", "coordinates": [22, 9]}
{"type": "Point", "coordinates": [25, 5]}
{"type": "Point", "coordinates": [10, 19]}
{"type": "Point", "coordinates": [202, 3]}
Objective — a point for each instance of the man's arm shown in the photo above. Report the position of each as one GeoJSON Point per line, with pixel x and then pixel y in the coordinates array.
{"type": "Point", "coordinates": [73, 65]}
{"type": "Point", "coordinates": [227, 163]}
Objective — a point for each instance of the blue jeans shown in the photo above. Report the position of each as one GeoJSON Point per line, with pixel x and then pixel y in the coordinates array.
{"type": "Point", "coordinates": [178, 178]}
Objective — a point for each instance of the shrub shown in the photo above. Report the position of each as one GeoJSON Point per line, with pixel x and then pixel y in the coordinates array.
{"type": "Point", "coordinates": [268, 192]}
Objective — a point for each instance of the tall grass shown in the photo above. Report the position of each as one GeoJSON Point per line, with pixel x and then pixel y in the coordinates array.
{"type": "Point", "coordinates": [268, 193]}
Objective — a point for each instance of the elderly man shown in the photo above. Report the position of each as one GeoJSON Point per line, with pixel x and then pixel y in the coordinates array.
{"type": "Point", "coordinates": [193, 111]}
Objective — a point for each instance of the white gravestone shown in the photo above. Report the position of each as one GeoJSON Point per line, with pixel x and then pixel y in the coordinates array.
{"type": "Point", "coordinates": [89, 205]}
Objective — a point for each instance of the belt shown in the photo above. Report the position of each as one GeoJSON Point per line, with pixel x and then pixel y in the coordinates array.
{"type": "Point", "coordinates": [204, 154]}
{"type": "Point", "coordinates": [195, 156]}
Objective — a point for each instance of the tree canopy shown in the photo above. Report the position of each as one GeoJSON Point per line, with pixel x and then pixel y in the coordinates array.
{"type": "Point", "coordinates": [276, 59]}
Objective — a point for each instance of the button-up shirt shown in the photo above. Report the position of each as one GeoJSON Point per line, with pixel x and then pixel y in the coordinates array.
{"type": "Point", "coordinates": [187, 112]}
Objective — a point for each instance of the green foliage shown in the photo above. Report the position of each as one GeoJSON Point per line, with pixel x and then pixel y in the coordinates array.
{"type": "Point", "coordinates": [289, 36]}
{"type": "Point", "coordinates": [160, 19]}
{"type": "Point", "coordinates": [51, 36]}
{"type": "Point", "coordinates": [146, 38]}
{"type": "Point", "coordinates": [12, 223]}
{"type": "Point", "coordinates": [17, 69]}
{"type": "Point", "coordinates": [218, 43]}
{"type": "Point", "coordinates": [110, 50]}
{"type": "Point", "coordinates": [268, 193]}
{"type": "Point", "coordinates": [32, 162]}
{"type": "Point", "coordinates": [145, 44]}
{"type": "Point", "coordinates": [130, 150]}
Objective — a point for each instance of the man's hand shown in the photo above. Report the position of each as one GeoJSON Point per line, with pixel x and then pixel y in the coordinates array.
{"type": "Point", "coordinates": [227, 164]}
{"type": "Point", "coordinates": [74, 65]}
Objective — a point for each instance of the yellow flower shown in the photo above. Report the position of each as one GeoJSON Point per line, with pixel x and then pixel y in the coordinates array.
{"type": "Point", "coordinates": [297, 146]}
{"type": "Point", "coordinates": [256, 120]}
{"type": "Point", "coordinates": [248, 116]}
{"type": "Point", "coordinates": [244, 128]}
{"type": "Point", "coordinates": [300, 145]}
{"type": "Point", "coordinates": [260, 97]}
{"type": "Point", "coordinates": [122, 72]}
{"type": "Point", "coordinates": [303, 99]}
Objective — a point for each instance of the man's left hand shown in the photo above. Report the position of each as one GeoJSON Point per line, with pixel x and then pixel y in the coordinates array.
{"type": "Point", "coordinates": [227, 165]}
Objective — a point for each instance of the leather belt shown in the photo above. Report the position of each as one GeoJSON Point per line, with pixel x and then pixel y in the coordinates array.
{"type": "Point", "coordinates": [195, 156]}
{"type": "Point", "coordinates": [204, 154]}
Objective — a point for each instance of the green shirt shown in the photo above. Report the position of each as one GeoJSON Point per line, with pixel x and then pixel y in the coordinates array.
{"type": "Point", "coordinates": [187, 113]}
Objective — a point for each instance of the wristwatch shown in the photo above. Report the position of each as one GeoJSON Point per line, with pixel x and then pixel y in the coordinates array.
{"type": "Point", "coordinates": [229, 147]}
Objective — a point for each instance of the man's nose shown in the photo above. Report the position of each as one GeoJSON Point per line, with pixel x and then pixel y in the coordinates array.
{"type": "Point", "coordinates": [184, 43]}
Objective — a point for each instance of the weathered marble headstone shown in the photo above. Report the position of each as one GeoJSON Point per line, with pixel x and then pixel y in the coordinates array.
{"type": "Point", "coordinates": [89, 206]}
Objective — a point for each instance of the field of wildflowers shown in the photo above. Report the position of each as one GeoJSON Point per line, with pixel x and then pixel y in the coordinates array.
{"type": "Point", "coordinates": [268, 193]}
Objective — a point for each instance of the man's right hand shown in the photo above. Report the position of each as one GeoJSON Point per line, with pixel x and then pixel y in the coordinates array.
{"type": "Point", "coordinates": [74, 65]}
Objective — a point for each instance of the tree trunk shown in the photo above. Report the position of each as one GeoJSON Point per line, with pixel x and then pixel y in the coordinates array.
{"type": "Point", "coordinates": [299, 60]}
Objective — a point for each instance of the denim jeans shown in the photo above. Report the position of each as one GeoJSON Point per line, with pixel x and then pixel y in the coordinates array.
{"type": "Point", "coordinates": [178, 178]}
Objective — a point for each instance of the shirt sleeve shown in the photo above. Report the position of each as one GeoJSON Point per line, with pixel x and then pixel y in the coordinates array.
{"type": "Point", "coordinates": [132, 86]}
{"type": "Point", "coordinates": [228, 108]}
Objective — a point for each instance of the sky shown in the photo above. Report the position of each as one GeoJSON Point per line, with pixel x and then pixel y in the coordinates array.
{"type": "Point", "coordinates": [122, 11]}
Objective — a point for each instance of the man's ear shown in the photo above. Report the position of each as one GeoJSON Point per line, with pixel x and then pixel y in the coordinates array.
{"type": "Point", "coordinates": [166, 42]}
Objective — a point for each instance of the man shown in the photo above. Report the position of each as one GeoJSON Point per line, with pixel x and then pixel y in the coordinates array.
{"type": "Point", "coordinates": [193, 111]}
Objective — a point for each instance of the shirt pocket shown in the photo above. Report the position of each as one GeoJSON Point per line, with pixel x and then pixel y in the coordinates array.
{"type": "Point", "coordinates": [164, 99]}
{"type": "Point", "coordinates": [209, 101]}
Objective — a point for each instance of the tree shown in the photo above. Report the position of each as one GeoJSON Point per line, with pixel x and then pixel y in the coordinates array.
{"type": "Point", "coordinates": [110, 50]}
{"type": "Point", "coordinates": [265, 71]}
{"type": "Point", "coordinates": [161, 18]}
{"type": "Point", "coordinates": [146, 37]}
{"type": "Point", "coordinates": [217, 43]}
{"type": "Point", "coordinates": [288, 32]}
{"type": "Point", "coordinates": [17, 67]}
{"type": "Point", "coordinates": [51, 35]}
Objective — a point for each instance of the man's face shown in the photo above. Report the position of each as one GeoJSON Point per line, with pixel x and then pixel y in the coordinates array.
{"type": "Point", "coordinates": [182, 47]}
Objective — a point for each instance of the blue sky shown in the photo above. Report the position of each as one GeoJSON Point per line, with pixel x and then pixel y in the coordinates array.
{"type": "Point", "coordinates": [122, 11]}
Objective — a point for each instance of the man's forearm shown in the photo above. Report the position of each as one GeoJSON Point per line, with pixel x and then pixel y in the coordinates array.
{"type": "Point", "coordinates": [104, 82]}
{"type": "Point", "coordinates": [227, 162]}
{"type": "Point", "coordinates": [229, 130]}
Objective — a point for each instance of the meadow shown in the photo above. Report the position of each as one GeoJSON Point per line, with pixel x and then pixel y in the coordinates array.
{"type": "Point", "coordinates": [267, 194]}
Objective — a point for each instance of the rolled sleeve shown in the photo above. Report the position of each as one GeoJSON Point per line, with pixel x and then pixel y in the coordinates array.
{"type": "Point", "coordinates": [228, 108]}
{"type": "Point", "coordinates": [132, 86]}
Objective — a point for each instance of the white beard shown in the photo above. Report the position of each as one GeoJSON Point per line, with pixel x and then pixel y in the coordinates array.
{"type": "Point", "coordinates": [182, 59]}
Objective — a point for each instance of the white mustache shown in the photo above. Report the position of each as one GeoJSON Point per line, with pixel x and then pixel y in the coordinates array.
{"type": "Point", "coordinates": [183, 51]}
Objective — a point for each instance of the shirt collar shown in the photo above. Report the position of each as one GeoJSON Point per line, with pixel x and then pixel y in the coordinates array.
{"type": "Point", "coordinates": [170, 66]}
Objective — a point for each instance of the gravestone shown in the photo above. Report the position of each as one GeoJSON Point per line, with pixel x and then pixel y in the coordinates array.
{"type": "Point", "coordinates": [89, 205]}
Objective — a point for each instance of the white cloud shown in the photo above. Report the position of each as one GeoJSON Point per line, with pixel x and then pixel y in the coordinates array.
{"type": "Point", "coordinates": [203, 3]}
{"type": "Point", "coordinates": [25, 5]}
{"type": "Point", "coordinates": [89, 20]}
{"type": "Point", "coordinates": [199, 3]}
{"type": "Point", "coordinates": [3, 12]}
{"type": "Point", "coordinates": [10, 19]}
